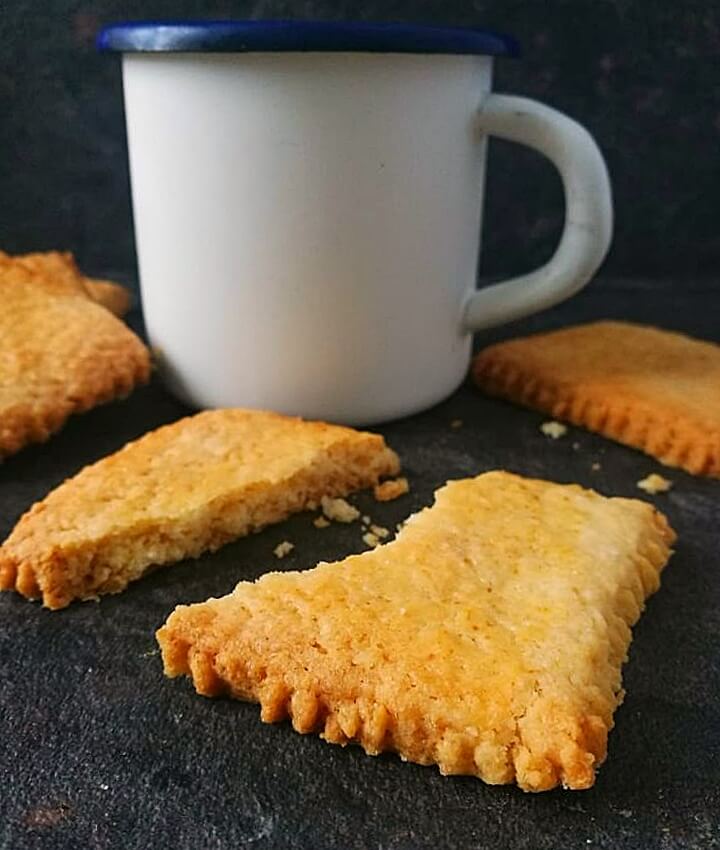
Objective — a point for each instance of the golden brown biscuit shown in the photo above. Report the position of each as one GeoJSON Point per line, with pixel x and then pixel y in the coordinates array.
{"type": "Point", "coordinates": [61, 353]}
{"type": "Point", "coordinates": [648, 388]}
{"type": "Point", "coordinates": [487, 638]}
{"type": "Point", "coordinates": [60, 268]}
{"type": "Point", "coordinates": [389, 490]}
{"type": "Point", "coordinates": [179, 491]}
{"type": "Point", "coordinates": [112, 296]}
{"type": "Point", "coordinates": [56, 269]}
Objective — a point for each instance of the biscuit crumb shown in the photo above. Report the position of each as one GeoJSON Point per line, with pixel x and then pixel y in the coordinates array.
{"type": "Point", "coordinates": [655, 483]}
{"type": "Point", "coordinates": [389, 490]}
{"type": "Point", "coordinates": [595, 466]}
{"type": "Point", "coordinates": [284, 548]}
{"type": "Point", "coordinates": [149, 654]}
{"type": "Point", "coordinates": [311, 506]}
{"type": "Point", "coordinates": [456, 423]}
{"type": "Point", "coordinates": [553, 429]}
{"type": "Point", "coordinates": [321, 522]}
{"type": "Point", "coordinates": [339, 510]}
{"type": "Point", "coordinates": [366, 519]}
{"type": "Point", "coordinates": [576, 446]}
{"type": "Point", "coordinates": [371, 539]}
{"type": "Point", "coordinates": [379, 531]}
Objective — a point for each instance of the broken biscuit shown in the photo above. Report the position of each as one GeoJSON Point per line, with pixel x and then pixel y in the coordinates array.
{"type": "Point", "coordinates": [179, 491]}
{"type": "Point", "coordinates": [487, 638]}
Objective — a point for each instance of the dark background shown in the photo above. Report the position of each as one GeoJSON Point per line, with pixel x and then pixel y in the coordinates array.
{"type": "Point", "coordinates": [97, 749]}
{"type": "Point", "coordinates": [642, 75]}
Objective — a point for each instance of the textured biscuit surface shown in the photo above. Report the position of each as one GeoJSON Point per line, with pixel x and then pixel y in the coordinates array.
{"type": "Point", "coordinates": [60, 352]}
{"type": "Point", "coordinates": [112, 296]}
{"type": "Point", "coordinates": [651, 389]}
{"type": "Point", "coordinates": [59, 272]}
{"type": "Point", "coordinates": [179, 491]}
{"type": "Point", "coordinates": [487, 638]}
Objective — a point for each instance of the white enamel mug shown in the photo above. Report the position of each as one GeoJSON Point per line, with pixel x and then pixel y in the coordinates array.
{"type": "Point", "coordinates": [308, 200]}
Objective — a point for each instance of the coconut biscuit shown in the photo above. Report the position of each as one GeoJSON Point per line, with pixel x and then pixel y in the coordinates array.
{"type": "Point", "coordinates": [179, 491]}
{"type": "Point", "coordinates": [652, 389]}
{"type": "Point", "coordinates": [60, 352]}
{"type": "Point", "coordinates": [59, 268]}
{"type": "Point", "coordinates": [487, 638]}
{"type": "Point", "coordinates": [112, 296]}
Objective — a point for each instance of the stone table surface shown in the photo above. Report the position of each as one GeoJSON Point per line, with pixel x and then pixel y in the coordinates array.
{"type": "Point", "coordinates": [99, 750]}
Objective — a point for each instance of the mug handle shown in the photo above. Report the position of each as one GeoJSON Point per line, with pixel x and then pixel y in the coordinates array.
{"type": "Point", "coordinates": [588, 217]}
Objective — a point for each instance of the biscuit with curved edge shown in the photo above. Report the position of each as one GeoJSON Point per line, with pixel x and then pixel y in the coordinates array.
{"type": "Point", "coordinates": [55, 271]}
{"type": "Point", "coordinates": [487, 638]}
{"type": "Point", "coordinates": [179, 491]}
{"type": "Point", "coordinates": [59, 267]}
{"type": "Point", "coordinates": [60, 353]}
{"type": "Point", "coordinates": [112, 296]}
{"type": "Point", "coordinates": [651, 389]}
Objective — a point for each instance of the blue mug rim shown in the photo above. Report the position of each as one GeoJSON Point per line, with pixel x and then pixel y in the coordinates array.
{"type": "Point", "coordinates": [248, 36]}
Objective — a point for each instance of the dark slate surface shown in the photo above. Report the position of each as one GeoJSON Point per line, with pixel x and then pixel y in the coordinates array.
{"type": "Point", "coordinates": [98, 750]}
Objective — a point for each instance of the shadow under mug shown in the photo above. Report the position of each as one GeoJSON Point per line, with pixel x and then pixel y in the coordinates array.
{"type": "Point", "coordinates": [308, 198]}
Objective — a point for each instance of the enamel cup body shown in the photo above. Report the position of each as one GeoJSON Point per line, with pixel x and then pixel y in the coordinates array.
{"type": "Point", "coordinates": [308, 226]}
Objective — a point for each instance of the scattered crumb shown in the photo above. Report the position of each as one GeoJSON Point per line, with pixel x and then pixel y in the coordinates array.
{"type": "Point", "coordinates": [654, 483]}
{"type": "Point", "coordinates": [595, 466]}
{"type": "Point", "coordinates": [366, 519]}
{"type": "Point", "coordinates": [576, 446]}
{"type": "Point", "coordinates": [553, 429]}
{"type": "Point", "coordinates": [339, 510]}
{"type": "Point", "coordinates": [284, 548]}
{"type": "Point", "coordinates": [379, 531]}
{"type": "Point", "coordinates": [311, 506]}
{"type": "Point", "coordinates": [456, 423]}
{"type": "Point", "coordinates": [321, 522]}
{"type": "Point", "coordinates": [389, 490]}
{"type": "Point", "coordinates": [371, 539]}
{"type": "Point", "coordinates": [103, 786]}
{"type": "Point", "coordinates": [44, 817]}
